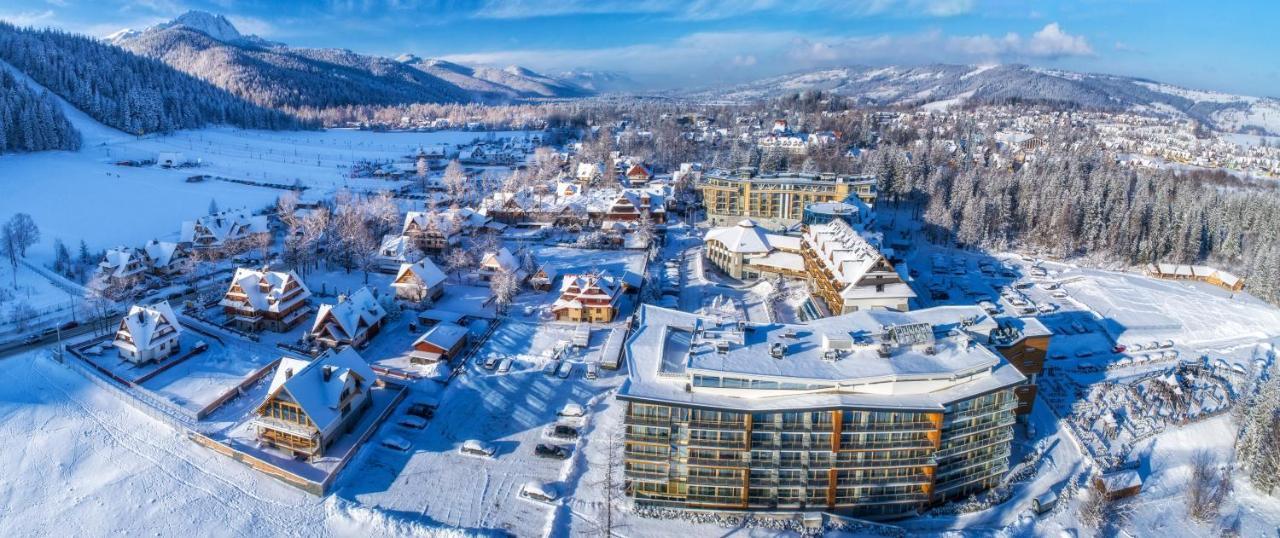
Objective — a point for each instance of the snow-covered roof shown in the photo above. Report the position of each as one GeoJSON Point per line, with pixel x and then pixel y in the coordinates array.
{"type": "Point", "coordinates": [742, 238]}
{"type": "Point", "coordinates": [425, 271]}
{"type": "Point", "coordinates": [116, 261]}
{"type": "Point", "coordinates": [160, 253]}
{"type": "Point", "coordinates": [226, 225]}
{"type": "Point", "coordinates": [307, 386]}
{"type": "Point", "coordinates": [394, 247]}
{"type": "Point", "coordinates": [500, 260]}
{"type": "Point", "coordinates": [576, 290]}
{"type": "Point", "coordinates": [848, 256]}
{"type": "Point", "coordinates": [443, 335]}
{"type": "Point", "coordinates": [264, 289]}
{"type": "Point", "coordinates": [853, 359]}
{"type": "Point", "coordinates": [349, 318]}
{"type": "Point", "coordinates": [146, 325]}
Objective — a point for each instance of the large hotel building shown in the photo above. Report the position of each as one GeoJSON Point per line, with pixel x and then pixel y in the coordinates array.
{"type": "Point", "coordinates": [776, 201]}
{"type": "Point", "coordinates": [875, 414]}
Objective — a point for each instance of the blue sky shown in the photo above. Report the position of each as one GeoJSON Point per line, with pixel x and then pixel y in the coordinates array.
{"type": "Point", "coordinates": [1224, 45]}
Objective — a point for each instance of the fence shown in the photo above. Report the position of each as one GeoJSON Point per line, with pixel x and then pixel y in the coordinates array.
{"type": "Point", "coordinates": [238, 389]}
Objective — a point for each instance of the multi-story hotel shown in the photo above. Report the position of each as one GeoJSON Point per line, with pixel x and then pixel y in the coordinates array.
{"type": "Point", "coordinates": [776, 200]}
{"type": "Point", "coordinates": [876, 414]}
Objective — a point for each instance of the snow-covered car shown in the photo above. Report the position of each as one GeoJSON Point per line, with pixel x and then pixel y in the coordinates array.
{"type": "Point", "coordinates": [539, 492]}
{"type": "Point", "coordinates": [989, 307]}
{"type": "Point", "coordinates": [492, 361]}
{"type": "Point", "coordinates": [200, 346]}
{"type": "Point", "coordinates": [551, 367]}
{"type": "Point", "coordinates": [1082, 353]}
{"type": "Point", "coordinates": [1166, 344]}
{"type": "Point", "coordinates": [412, 422]}
{"type": "Point", "coordinates": [473, 447]}
{"type": "Point", "coordinates": [1059, 294]}
{"type": "Point", "coordinates": [555, 452]}
{"type": "Point", "coordinates": [565, 369]}
{"type": "Point", "coordinates": [504, 366]}
{"type": "Point", "coordinates": [572, 410]}
{"type": "Point", "coordinates": [593, 370]}
{"type": "Point", "coordinates": [1046, 308]}
{"type": "Point", "coordinates": [398, 444]}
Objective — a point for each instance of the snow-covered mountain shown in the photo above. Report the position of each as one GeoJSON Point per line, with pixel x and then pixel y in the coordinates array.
{"type": "Point", "coordinates": [276, 75]}
{"type": "Point", "coordinates": [512, 82]}
{"type": "Point", "coordinates": [949, 85]}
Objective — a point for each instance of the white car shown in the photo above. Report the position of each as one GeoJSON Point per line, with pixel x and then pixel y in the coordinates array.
{"type": "Point", "coordinates": [477, 448]}
{"type": "Point", "coordinates": [565, 369]}
{"type": "Point", "coordinates": [412, 422]}
{"type": "Point", "coordinates": [572, 410]}
{"type": "Point", "coordinates": [504, 366]}
{"type": "Point", "coordinates": [536, 491]}
{"type": "Point", "coordinates": [593, 370]}
{"type": "Point", "coordinates": [397, 444]}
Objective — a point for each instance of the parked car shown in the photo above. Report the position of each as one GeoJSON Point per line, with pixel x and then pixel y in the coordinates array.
{"type": "Point", "coordinates": [539, 492]}
{"type": "Point", "coordinates": [397, 444]}
{"type": "Point", "coordinates": [562, 431]}
{"type": "Point", "coordinates": [423, 410]}
{"type": "Point", "coordinates": [555, 452]}
{"type": "Point", "coordinates": [200, 346]}
{"type": "Point", "coordinates": [504, 366]}
{"type": "Point", "coordinates": [551, 367]}
{"type": "Point", "coordinates": [565, 369]}
{"type": "Point", "coordinates": [492, 361]}
{"type": "Point", "coordinates": [593, 370]}
{"type": "Point", "coordinates": [1119, 348]}
{"type": "Point", "coordinates": [1059, 294]}
{"type": "Point", "coordinates": [412, 422]}
{"type": "Point", "coordinates": [477, 448]}
{"type": "Point", "coordinates": [572, 410]}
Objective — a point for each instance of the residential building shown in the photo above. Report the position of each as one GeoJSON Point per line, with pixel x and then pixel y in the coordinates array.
{"type": "Point", "coordinates": [1201, 273]}
{"type": "Point", "coordinates": [441, 343]}
{"type": "Point", "coordinates": [419, 282]}
{"type": "Point", "coordinates": [223, 229]}
{"type": "Point", "coordinates": [874, 414]}
{"type": "Point", "coordinates": [396, 250]}
{"type": "Point", "coordinates": [776, 201]}
{"type": "Point", "coordinates": [432, 233]}
{"type": "Point", "coordinates": [847, 273]}
{"type": "Point", "coordinates": [121, 266]}
{"type": "Point", "coordinates": [351, 322]}
{"type": "Point", "coordinates": [265, 299]}
{"type": "Point", "coordinates": [163, 258]}
{"type": "Point", "coordinates": [497, 261]}
{"type": "Point", "coordinates": [638, 175]}
{"type": "Point", "coordinates": [310, 404]}
{"type": "Point", "coordinates": [148, 333]}
{"type": "Point", "coordinates": [591, 298]}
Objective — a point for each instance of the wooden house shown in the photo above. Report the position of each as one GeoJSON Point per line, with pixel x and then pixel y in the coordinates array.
{"type": "Point", "coordinates": [419, 282]}
{"type": "Point", "coordinates": [441, 343]}
{"type": "Point", "coordinates": [223, 229]}
{"type": "Point", "coordinates": [351, 322]}
{"type": "Point", "coordinates": [499, 261]}
{"type": "Point", "coordinates": [591, 298]}
{"type": "Point", "coordinates": [638, 175]}
{"type": "Point", "coordinates": [1118, 484]}
{"type": "Point", "coordinates": [311, 404]}
{"type": "Point", "coordinates": [543, 278]}
{"type": "Point", "coordinates": [121, 266]}
{"type": "Point", "coordinates": [264, 299]}
{"type": "Point", "coordinates": [163, 258]}
{"type": "Point", "coordinates": [148, 333]}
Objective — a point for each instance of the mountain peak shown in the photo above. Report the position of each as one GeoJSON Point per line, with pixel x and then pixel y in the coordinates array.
{"type": "Point", "coordinates": [215, 26]}
{"type": "Point", "coordinates": [408, 58]}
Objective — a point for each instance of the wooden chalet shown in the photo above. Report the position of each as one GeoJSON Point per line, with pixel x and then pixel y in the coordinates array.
{"type": "Point", "coordinates": [444, 341]}
{"type": "Point", "coordinates": [419, 282]}
{"type": "Point", "coordinates": [311, 404]}
{"type": "Point", "coordinates": [591, 298]}
{"type": "Point", "coordinates": [148, 333]}
{"type": "Point", "coordinates": [221, 229]}
{"type": "Point", "coordinates": [264, 299]}
{"type": "Point", "coordinates": [351, 322]}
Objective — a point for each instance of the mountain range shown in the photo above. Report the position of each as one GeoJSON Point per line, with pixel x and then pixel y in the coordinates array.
{"type": "Point", "coordinates": [279, 76]}
{"type": "Point", "coordinates": [943, 86]}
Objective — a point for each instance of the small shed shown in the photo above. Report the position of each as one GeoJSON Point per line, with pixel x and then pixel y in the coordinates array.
{"type": "Point", "coordinates": [1119, 484]}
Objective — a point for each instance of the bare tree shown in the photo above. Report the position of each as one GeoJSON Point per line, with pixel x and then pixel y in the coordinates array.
{"type": "Point", "coordinates": [504, 285]}
{"type": "Point", "coordinates": [455, 179]}
{"type": "Point", "coordinates": [609, 482]}
{"type": "Point", "coordinates": [25, 231]}
{"type": "Point", "coordinates": [1094, 507]}
{"type": "Point", "coordinates": [457, 261]}
{"type": "Point", "coordinates": [9, 246]}
{"type": "Point", "coordinates": [1208, 487]}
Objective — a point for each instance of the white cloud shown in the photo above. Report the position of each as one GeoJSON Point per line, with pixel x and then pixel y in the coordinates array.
{"type": "Point", "coordinates": [719, 9]}
{"type": "Point", "coordinates": [28, 18]}
{"type": "Point", "coordinates": [1052, 42]}
{"type": "Point", "coordinates": [252, 26]}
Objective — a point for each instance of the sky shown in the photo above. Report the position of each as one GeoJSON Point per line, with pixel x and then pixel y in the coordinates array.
{"type": "Point", "coordinates": [1223, 45]}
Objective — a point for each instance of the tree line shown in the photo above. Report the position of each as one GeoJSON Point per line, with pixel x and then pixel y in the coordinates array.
{"type": "Point", "coordinates": [30, 120]}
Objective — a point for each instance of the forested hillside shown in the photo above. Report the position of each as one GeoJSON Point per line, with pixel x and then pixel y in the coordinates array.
{"type": "Point", "coordinates": [131, 93]}
{"type": "Point", "coordinates": [31, 121]}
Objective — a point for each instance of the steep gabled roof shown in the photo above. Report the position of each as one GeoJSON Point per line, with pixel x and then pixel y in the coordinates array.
{"type": "Point", "coordinates": [350, 317]}
{"type": "Point", "coordinates": [424, 270]}
{"type": "Point", "coordinates": [277, 282]}
{"type": "Point", "coordinates": [306, 385]}
{"type": "Point", "coordinates": [144, 323]}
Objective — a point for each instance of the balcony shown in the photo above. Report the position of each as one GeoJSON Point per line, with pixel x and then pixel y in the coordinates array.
{"type": "Point", "coordinates": [980, 427]}
{"type": "Point", "coordinates": [647, 456]}
{"type": "Point", "coordinates": [717, 425]}
{"type": "Point", "coordinates": [978, 412]}
{"type": "Point", "coordinates": [732, 481]}
{"type": "Point", "coordinates": [970, 446]}
{"type": "Point", "coordinates": [643, 420]}
{"type": "Point", "coordinates": [873, 463]}
{"type": "Point", "coordinates": [999, 459]}
{"type": "Point", "coordinates": [885, 445]}
{"type": "Point", "coordinates": [914, 497]}
{"type": "Point", "coordinates": [787, 427]}
{"type": "Point", "coordinates": [649, 476]}
{"type": "Point", "coordinates": [652, 439]}
{"type": "Point", "coordinates": [735, 444]}
{"type": "Point", "coordinates": [284, 426]}
{"type": "Point", "coordinates": [737, 463]}
{"type": "Point", "coordinates": [889, 427]}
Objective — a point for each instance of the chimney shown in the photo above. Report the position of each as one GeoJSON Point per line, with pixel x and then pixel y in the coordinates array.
{"type": "Point", "coordinates": [328, 373]}
{"type": "Point", "coordinates": [288, 373]}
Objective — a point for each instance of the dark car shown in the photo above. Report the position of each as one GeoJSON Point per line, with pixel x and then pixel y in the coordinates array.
{"type": "Point", "coordinates": [551, 451]}
{"type": "Point", "coordinates": [562, 431]}
{"type": "Point", "coordinates": [421, 410]}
